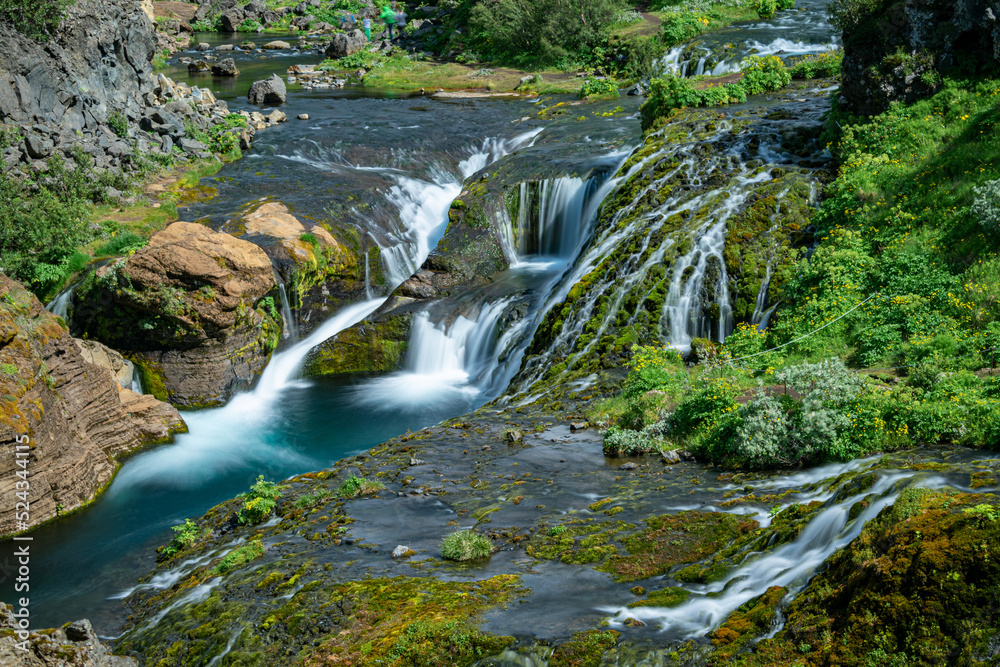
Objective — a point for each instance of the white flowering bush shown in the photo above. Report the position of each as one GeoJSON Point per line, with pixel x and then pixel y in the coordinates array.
{"type": "Point", "coordinates": [986, 206]}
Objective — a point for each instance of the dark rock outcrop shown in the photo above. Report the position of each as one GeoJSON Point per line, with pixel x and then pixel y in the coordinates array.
{"type": "Point", "coordinates": [74, 645]}
{"type": "Point", "coordinates": [75, 417]}
{"type": "Point", "coordinates": [187, 309]}
{"type": "Point", "coordinates": [346, 43]}
{"type": "Point", "coordinates": [225, 67]}
{"type": "Point", "coordinates": [268, 91]}
{"type": "Point", "coordinates": [898, 49]}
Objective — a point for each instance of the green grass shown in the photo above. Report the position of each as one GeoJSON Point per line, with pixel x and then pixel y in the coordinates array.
{"type": "Point", "coordinates": [466, 545]}
{"type": "Point", "coordinates": [359, 486]}
{"type": "Point", "coordinates": [240, 557]}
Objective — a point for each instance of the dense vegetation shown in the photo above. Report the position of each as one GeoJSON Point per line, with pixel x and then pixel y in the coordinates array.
{"type": "Point", "coordinates": [905, 281]}
{"type": "Point", "coordinates": [36, 19]}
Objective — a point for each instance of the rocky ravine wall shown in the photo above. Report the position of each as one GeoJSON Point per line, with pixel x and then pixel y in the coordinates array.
{"type": "Point", "coordinates": [897, 50]}
{"type": "Point", "coordinates": [77, 419]}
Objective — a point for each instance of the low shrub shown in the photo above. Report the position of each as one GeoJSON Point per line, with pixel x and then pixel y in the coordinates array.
{"type": "Point", "coordinates": [601, 88]}
{"type": "Point", "coordinates": [466, 545]}
{"type": "Point", "coordinates": [359, 486]}
{"type": "Point", "coordinates": [184, 534]}
{"type": "Point", "coordinates": [818, 66]}
{"type": "Point", "coordinates": [259, 501]}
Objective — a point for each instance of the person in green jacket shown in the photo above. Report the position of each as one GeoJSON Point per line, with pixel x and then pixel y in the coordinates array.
{"type": "Point", "coordinates": [389, 17]}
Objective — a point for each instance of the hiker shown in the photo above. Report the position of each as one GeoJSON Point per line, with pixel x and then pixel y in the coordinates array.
{"type": "Point", "coordinates": [389, 17]}
{"type": "Point", "coordinates": [400, 22]}
{"type": "Point", "coordinates": [368, 28]}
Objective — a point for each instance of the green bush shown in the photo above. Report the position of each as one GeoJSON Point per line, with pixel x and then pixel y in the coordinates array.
{"type": "Point", "coordinates": [259, 501]}
{"type": "Point", "coordinates": [185, 534]}
{"type": "Point", "coordinates": [818, 66]}
{"type": "Point", "coordinates": [36, 19]}
{"type": "Point", "coordinates": [761, 439]}
{"type": "Point", "coordinates": [118, 123]}
{"type": "Point", "coordinates": [653, 368]}
{"type": "Point", "coordinates": [309, 238]}
{"type": "Point", "coordinates": [466, 545]}
{"type": "Point", "coordinates": [249, 25]}
{"type": "Point", "coordinates": [665, 94]}
{"type": "Point", "coordinates": [603, 88]}
{"type": "Point", "coordinates": [761, 75]}
{"type": "Point", "coordinates": [537, 33]}
{"type": "Point", "coordinates": [240, 557]}
{"type": "Point", "coordinates": [624, 442]}
{"type": "Point", "coordinates": [359, 486]}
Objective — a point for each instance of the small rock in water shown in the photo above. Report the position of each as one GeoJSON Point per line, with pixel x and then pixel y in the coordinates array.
{"type": "Point", "coordinates": [276, 117]}
{"type": "Point", "coordinates": [627, 466]}
{"type": "Point", "coordinates": [671, 457]}
{"type": "Point", "coordinates": [416, 462]}
{"type": "Point", "coordinates": [203, 46]}
{"type": "Point", "coordinates": [486, 448]}
{"type": "Point", "coordinates": [513, 435]}
{"type": "Point", "coordinates": [226, 67]}
{"type": "Point", "coordinates": [634, 622]}
{"type": "Point", "coordinates": [578, 426]}
{"type": "Point", "coordinates": [402, 552]}
{"type": "Point", "coordinates": [303, 116]}
{"type": "Point", "coordinates": [277, 45]}
{"type": "Point", "coordinates": [687, 456]}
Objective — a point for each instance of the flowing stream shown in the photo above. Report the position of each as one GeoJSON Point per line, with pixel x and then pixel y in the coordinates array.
{"type": "Point", "coordinates": [391, 165]}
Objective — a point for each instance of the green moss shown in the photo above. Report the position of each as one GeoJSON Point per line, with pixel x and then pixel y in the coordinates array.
{"type": "Point", "coordinates": [673, 539]}
{"type": "Point", "coordinates": [584, 649]}
{"type": "Point", "coordinates": [752, 619]}
{"type": "Point", "coordinates": [666, 597]}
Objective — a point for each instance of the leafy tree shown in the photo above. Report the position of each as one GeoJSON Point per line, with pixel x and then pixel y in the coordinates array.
{"type": "Point", "coordinates": [37, 19]}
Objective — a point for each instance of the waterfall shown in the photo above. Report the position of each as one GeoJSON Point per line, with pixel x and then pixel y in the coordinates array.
{"type": "Point", "coordinates": [761, 301]}
{"type": "Point", "coordinates": [61, 303]}
{"type": "Point", "coordinates": [444, 362]}
{"type": "Point", "coordinates": [550, 217]}
{"type": "Point", "coordinates": [789, 565]}
{"type": "Point", "coordinates": [291, 329]}
{"type": "Point", "coordinates": [424, 205]}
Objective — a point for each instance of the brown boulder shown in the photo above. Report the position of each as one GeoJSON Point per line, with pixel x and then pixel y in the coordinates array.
{"type": "Point", "coordinates": [188, 310]}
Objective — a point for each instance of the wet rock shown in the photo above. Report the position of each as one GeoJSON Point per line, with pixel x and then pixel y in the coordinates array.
{"type": "Point", "coordinates": [76, 421]}
{"type": "Point", "coordinates": [346, 44]}
{"type": "Point", "coordinates": [578, 426]}
{"type": "Point", "coordinates": [268, 91]}
{"type": "Point", "coordinates": [303, 116]}
{"type": "Point", "coordinates": [633, 622]}
{"type": "Point", "coordinates": [74, 644]}
{"type": "Point", "coordinates": [687, 456]}
{"type": "Point", "coordinates": [670, 457]}
{"type": "Point", "coordinates": [277, 45]}
{"type": "Point", "coordinates": [416, 462]}
{"type": "Point", "coordinates": [276, 117]}
{"type": "Point", "coordinates": [402, 551]}
{"type": "Point", "coordinates": [203, 46]}
{"type": "Point", "coordinates": [198, 67]}
{"type": "Point", "coordinates": [627, 466]}
{"type": "Point", "coordinates": [225, 47]}
{"type": "Point", "coordinates": [513, 435]}
{"type": "Point", "coordinates": [225, 67]}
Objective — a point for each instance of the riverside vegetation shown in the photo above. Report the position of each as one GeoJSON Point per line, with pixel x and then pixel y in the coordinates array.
{"type": "Point", "coordinates": [837, 392]}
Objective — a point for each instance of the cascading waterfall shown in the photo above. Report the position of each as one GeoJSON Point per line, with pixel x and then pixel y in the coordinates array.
{"type": "Point", "coordinates": [424, 205]}
{"type": "Point", "coordinates": [804, 30]}
{"type": "Point", "coordinates": [291, 328]}
{"type": "Point", "coordinates": [790, 565]}
{"type": "Point", "coordinates": [462, 361]}
{"type": "Point", "coordinates": [60, 304]}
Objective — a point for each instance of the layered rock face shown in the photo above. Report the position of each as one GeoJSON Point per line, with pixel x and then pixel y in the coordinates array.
{"type": "Point", "coordinates": [896, 50]}
{"type": "Point", "coordinates": [75, 416]}
{"type": "Point", "coordinates": [188, 310]}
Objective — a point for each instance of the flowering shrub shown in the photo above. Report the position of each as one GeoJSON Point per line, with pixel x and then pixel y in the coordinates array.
{"type": "Point", "coordinates": [259, 501]}
{"type": "Point", "coordinates": [653, 368]}
{"type": "Point", "coordinates": [986, 206]}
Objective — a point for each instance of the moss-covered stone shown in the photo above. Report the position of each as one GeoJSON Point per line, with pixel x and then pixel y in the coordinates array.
{"type": "Point", "coordinates": [585, 649]}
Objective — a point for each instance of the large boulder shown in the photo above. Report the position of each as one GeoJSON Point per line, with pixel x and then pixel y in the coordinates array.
{"type": "Point", "coordinates": [68, 411]}
{"type": "Point", "coordinates": [189, 310]}
{"type": "Point", "coordinates": [231, 19]}
{"type": "Point", "coordinates": [897, 51]}
{"type": "Point", "coordinates": [225, 67]}
{"type": "Point", "coordinates": [346, 43]}
{"type": "Point", "coordinates": [268, 91]}
{"type": "Point", "coordinates": [73, 644]}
